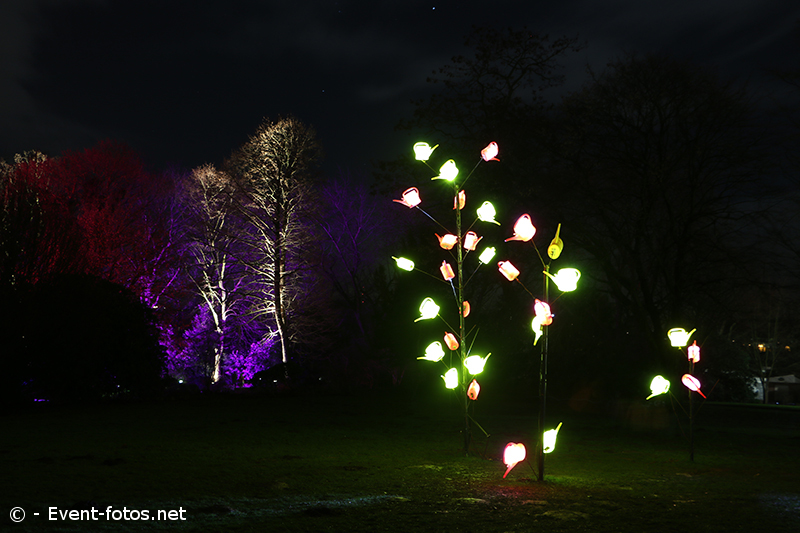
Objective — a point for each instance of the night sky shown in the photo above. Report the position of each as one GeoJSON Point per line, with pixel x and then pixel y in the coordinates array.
{"type": "Point", "coordinates": [185, 82]}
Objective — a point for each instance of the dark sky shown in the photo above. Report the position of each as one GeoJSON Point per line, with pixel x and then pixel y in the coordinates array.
{"type": "Point", "coordinates": [186, 81]}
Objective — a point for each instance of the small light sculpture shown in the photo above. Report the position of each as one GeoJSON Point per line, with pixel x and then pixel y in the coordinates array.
{"type": "Point", "coordinates": [460, 200]}
{"type": "Point", "coordinates": [448, 171]}
{"type": "Point", "coordinates": [692, 383]}
{"type": "Point", "coordinates": [410, 198]}
{"type": "Point", "coordinates": [542, 309]}
{"type": "Point", "coordinates": [508, 270]}
{"type": "Point", "coordinates": [474, 390]}
{"type": "Point", "coordinates": [549, 439]}
{"type": "Point", "coordinates": [489, 153]}
{"type": "Point", "coordinates": [451, 378]}
{"type": "Point", "coordinates": [447, 241]}
{"type": "Point", "coordinates": [447, 271]}
{"type": "Point", "coordinates": [679, 337]}
{"type": "Point", "coordinates": [487, 255]}
{"type": "Point", "coordinates": [471, 240]}
{"type": "Point", "coordinates": [486, 213]}
{"type": "Point", "coordinates": [523, 229]}
{"type": "Point", "coordinates": [658, 386]}
{"type": "Point", "coordinates": [433, 352]}
{"type": "Point", "coordinates": [465, 309]}
{"type": "Point", "coordinates": [513, 454]}
{"type": "Point", "coordinates": [423, 151]}
{"type": "Point", "coordinates": [451, 341]}
{"type": "Point", "coordinates": [556, 245]}
{"type": "Point", "coordinates": [475, 363]}
{"type": "Point", "coordinates": [404, 264]}
{"type": "Point", "coordinates": [428, 309]}
{"type": "Point", "coordinates": [565, 279]}
{"type": "Point", "coordinates": [694, 353]}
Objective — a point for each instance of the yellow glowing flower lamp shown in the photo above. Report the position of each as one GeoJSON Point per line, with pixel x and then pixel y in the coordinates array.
{"type": "Point", "coordinates": [448, 171]}
{"type": "Point", "coordinates": [692, 383]}
{"type": "Point", "coordinates": [404, 264]}
{"type": "Point", "coordinates": [471, 240]}
{"type": "Point", "coordinates": [474, 390]}
{"type": "Point", "coordinates": [447, 241]}
{"type": "Point", "coordinates": [694, 353]}
{"type": "Point", "coordinates": [490, 152]}
{"type": "Point", "coordinates": [508, 270]}
{"type": "Point", "coordinates": [451, 341]}
{"type": "Point", "coordinates": [447, 271]}
{"type": "Point", "coordinates": [487, 255]}
{"type": "Point", "coordinates": [658, 386]}
{"type": "Point", "coordinates": [536, 325]}
{"type": "Point", "coordinates": [434, 352]}
{"type": "Point", "coordinates": [475, 363]}
{"type": "Point", "coordinates": [556, 245]}
{"type": "Point", "coordinates": [423, 151]}
{"type": "Point", "coordinates": [486, 213]}
{"type": "Point", "coordinates": [549, 439]}
{"type": "Point", "coordinates": [513, 454]}
{"type": "Point", "coordinates": [451, 378]}
{"type": "Point", "coordinates": [428, 309]}
{"type": "Point", "coordinates": [410, 198]}
{"type": "Point", "coordinates": [565, 279]}
{"type": "Point", "coordinates": [524, 229]}
{"type": "Point", "coordinates": [678, 337]}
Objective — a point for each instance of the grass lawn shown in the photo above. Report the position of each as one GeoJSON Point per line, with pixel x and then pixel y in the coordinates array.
{"type": "Point", "coordinates": [394, 463]}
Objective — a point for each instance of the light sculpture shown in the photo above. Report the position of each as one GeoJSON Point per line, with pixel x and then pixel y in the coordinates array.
{"type": "Point", "coordinates": [556, 245]}
{"type": "Point", "coordinates": [428, 309]}
{"type": "Point", "coordinates": [678, 337]}
{"type": "Point", "coordinates": [448, 171]}
{"type": "Point", "coordinates": [447, 271]}
{"type": "Point", "coordinates": [508, 270]}
{"type": "Point", "coordinates": [410, 198]}
{"type": "Point", "coordinates": [565, 279]}
{"type": "Point", "coordinates": [423, 151]}
{"type": "Point", "coordinates": [447, 241]}
{"type": "Point", "coordinates": [549, 439]}
{"type": "Point", "coordinates": [486, 213]}
{"type": "Point", "coordinates": [513, 454]}
{"type": "Point", "coordinates": [694, 353]}
{"type": "Point", "coordinates": [523, 229]}
{"type": "Point", "coordinates": [433, 352]}
{"type": "Point", "coordinates": [451, 378]}
{"type": "Point", "coordinates": [451, 341]}
{"type": "Point", "coordinates": [692, 383]}
{"type": "Point", "coordinates": [489, 153]}
{"type": "Point", "coordinates": [475, 363]}
{"type": "Point", "coordinates": [658, 386]}
{"type": "Point", "coordinates": [465, 308]}
{"type": "Point", "coordinates": [460, 200]}
{"type": "Point", "coordinates": [404, 264]}
{"type": "Point", "coordinates": [542, 309]}
{"type": "Point", "coordinates": [474, 390]}
{"type": "Point", "coordinates": [487, 255]}
{"type": "Point", "coordinates": [471, 240]}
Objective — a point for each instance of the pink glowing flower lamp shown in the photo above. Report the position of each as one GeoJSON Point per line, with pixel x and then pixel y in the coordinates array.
{"type": "Point", "coordinates": [410, 198]}
{"type": "Point", "coordinates": [473, 390]}
{"type": "Point", "coordinates": [447, 241]}
{"type": "Point", "coordinates": [692, 383]}
{"type": "Point", "coordinates": [451, 341]}
{"type": "Point", "coordinates": [523, 229]}
{"type": "Point", "coordinates": [490, 152]}
{"type": "Point", "coordinates": [513, 454]}
{"type": "Point", "coordinates": [694, 353]}
{"type": "Point", "coordinates": [447, 271]}
{"type": "Point", "coordinates": [508, 270]}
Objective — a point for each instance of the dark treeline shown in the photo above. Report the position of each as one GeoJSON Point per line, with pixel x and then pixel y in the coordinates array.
{"type": "Point", "coordinates": [676, 192]}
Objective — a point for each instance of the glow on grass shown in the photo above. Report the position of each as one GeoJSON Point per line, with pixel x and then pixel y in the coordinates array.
{"type": "Point", "coordinates": [549, 439]}
{"type": "Point", "coordinates": [513, 454]}
{"type": "Point", "coordinates": [659, 385]}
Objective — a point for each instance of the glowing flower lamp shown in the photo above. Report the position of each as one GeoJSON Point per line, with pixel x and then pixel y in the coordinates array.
{"type": "Point", "coordinates": [566, 279]}
{"type": "Point", "coordinates": [447, 271]}
{"type": "Point", "coordinates": [465, 309]}
{"type": "Point", "coordinates": [475, 363]}
{"type": "Point", "coordinates": [404, 264]}
{"type": "Point", "coordinates": [489, 153]}
{"type": "Point", "coordinates": [433, 352]}
{"type": "Point", "coordinates": [692, 383]}
{"type": "Point", "coordinates": [549, 439]}
{"type": "Point", "coordinates": [473, 390]}
{"type": "Point", "coordinates": [451, 378]}
{"type": "Point", "coordinates": [536, 325]}
{"type": "Point", "coordinates": [513, 454]}
{"type": "Point", "coordinates": [460, 201]}
{"type": "Point", "coordinates": [447, 241]}
{"type": "Point", "coordinates": [523, 229]}
{"type": "Point", "coordinates": [508, 270]}
{"type": "Point", "coordinates": [694, 353]}
{"type": "Point", "coordinates": [451, 341]}
{"type": "Point", "coordinates": [658, 386]}
{"type": "Point", "coordinates": [428, 309]}
{"type": "Point", "coordinates": [487, 255]}
{"type": "Point", "coordinates": [679, 337]}
{"type": "Point", "coordinates": [486, 213]}
{"type": "Point", "coordinates": [410, 198]}
{"type": "Point", "coordinates": [471, 240]}
{"type": "Point", "coordinates": [423, 151]}
{"type": "Point", "coordinates": [542, 310]}
{"type": "Point", "coordinates": [556, 245]}
{"type": "Point", "coordinates": [448, 171]}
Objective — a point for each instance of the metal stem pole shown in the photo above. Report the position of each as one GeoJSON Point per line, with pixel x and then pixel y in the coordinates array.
{"type": "Point", "coordinates": [543, 381]}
